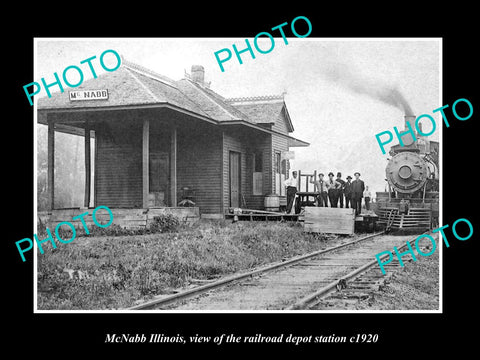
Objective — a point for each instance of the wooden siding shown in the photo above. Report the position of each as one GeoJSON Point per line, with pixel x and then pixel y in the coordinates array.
{"type": "Point", "coordinates": [247, 144]}
{"type": "Point", "coordinates": [280, 123]}
{"type": "Point", "coordinates": [199, 166]}
{"type": "Point", "coordinates": [234, 143]}
{"type": "Point", "coordinates": [118, 165]}
{"type": "Point", "coordinates": [265, 146]}
{"type": "Point", "coordinates": [202, 159]}
{"type": "Point", "coordinates": [279, 144]}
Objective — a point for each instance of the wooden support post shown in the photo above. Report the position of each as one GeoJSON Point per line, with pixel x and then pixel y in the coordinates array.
{"type": "Point", "coordinates": [51, 164]}
{"type": "Point", "coordinates": [88, 169]}
{"type": "Point", "coordinates": [299, 180]}
{"type": "Point", "coordinates": [173, 167]}
{"type": "Point", "coordinates": [145, 162]}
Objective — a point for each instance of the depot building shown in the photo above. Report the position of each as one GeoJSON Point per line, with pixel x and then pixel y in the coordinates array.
{"type": "Point", "coordinates": [169, 146]}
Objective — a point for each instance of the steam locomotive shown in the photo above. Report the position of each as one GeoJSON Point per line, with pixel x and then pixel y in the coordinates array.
{"type": "Point", "coordinates": [411, 199]}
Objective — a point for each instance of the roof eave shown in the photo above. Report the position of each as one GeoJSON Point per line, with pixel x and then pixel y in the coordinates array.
{"type": "Point", "coordinates": [43, 111]}
{"type": "Point", "coordinates": [287, 116]}
{"type": "Point", "coordinates": [292, 142]}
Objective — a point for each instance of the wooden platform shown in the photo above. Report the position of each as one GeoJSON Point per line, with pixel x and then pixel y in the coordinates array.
{"type": "Point", "coordinates": [329, 220]}
{"type": "Point", "coordinates": [126, 218]}
{"type": "Point", "coordinates": [265, 217]}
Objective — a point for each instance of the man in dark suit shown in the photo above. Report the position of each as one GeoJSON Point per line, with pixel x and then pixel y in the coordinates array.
{"type": "Point", "coordinates": [348, 192]}
{"type": "Point", "coordinates": [357, 193]}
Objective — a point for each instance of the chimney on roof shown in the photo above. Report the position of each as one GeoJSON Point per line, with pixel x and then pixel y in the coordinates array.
{"type": "Point", "coordinates": [198, 74]}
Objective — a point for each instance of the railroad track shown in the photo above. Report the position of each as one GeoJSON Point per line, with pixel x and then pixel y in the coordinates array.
{"type": "Point", "coordinates": [369, 282]}
{"type": "Point", "coordinates": [357, 285]}
{"type": "Point", "coordinates": [348, 294]}
{"type": "Point", "coordinates": [280, 285]}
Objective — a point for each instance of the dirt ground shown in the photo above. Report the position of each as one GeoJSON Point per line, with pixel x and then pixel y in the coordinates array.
{"type": "Point", "coordinates": [413, 287]}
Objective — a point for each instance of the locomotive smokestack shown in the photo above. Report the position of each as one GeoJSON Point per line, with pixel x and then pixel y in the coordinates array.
{"type": "Point", "coordinates": [411, 120]}
{"type": "Point", "coordinates": [408, 138]}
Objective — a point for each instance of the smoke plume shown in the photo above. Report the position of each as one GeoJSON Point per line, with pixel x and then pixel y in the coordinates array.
{"type": "Point", "coordinates": [343, 75]}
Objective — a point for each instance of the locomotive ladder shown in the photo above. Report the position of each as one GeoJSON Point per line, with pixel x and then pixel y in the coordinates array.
{"type": "Point", "coordinates": [390, 219]}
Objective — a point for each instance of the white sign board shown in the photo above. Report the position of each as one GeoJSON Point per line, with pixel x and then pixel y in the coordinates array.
{"type": "Point", "coordinates": [80, 95]}
{"type": "Point", "coordinates": [288, 155]}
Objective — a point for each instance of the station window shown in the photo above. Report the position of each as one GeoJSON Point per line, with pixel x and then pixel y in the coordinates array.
{"type": "Point", "coordinates": [280, 168]}
{"type": "Point", "coordinates": [257, 180]}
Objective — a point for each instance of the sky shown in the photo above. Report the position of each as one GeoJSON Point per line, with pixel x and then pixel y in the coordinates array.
{"type": "Point", "coordinates": [339, 92]}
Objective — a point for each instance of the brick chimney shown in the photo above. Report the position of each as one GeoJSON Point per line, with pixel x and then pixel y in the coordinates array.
{"type": "Point", "coordinates": [198, 74]}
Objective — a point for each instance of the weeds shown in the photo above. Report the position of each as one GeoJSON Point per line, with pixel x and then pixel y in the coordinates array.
{"type": "Point", "coordinates": [161, 224]}
{"type": "Point", "coordinates": [115, 270]}
{"type": "Point", "coordinates": [165, 223]}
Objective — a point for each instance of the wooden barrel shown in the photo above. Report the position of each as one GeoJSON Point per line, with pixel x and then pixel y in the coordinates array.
{"type": "Point", "coordinates": [272, 202]}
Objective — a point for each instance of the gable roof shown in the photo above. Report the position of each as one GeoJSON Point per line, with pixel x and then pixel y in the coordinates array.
{"type": "Point", "coordinates": [133, 85]}
{"type": "Point", "coordinates": [210, 102]}
{"type": "Point", "coordinates": [264, 109]}
{"type": "Point", "coordinates": [128, 85]}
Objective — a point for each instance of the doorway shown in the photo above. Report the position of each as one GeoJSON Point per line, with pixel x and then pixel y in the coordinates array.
{"type": "Point", "coordinates": [159, 179]}
{"type": "Point", "coordinates": [234, 179]}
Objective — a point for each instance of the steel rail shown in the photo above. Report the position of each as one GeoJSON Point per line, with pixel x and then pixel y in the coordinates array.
{"type": "Point", "coordinates": [314, 298]}
{"type": "Point", "coordinates": [222, 282]}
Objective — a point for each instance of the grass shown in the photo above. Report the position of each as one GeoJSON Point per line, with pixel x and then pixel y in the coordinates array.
{"type": "Point", "coordinates": [109, 272]}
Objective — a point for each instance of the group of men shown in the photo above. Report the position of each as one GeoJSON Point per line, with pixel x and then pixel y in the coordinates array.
{"type": "Point", "coordinates": [332, 190]}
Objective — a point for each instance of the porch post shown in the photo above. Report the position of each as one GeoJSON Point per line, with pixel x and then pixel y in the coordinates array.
{"type": "Point", "coordinates": [86, 202]}
{"type": "Point", "coordinates": [145, 160]}
{"type": "Point", "coordinates": [173, 167]}
{"type": "Point", "coordinates": [51, 163]}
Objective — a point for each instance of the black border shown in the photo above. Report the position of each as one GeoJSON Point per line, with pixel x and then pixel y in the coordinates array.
{"type": "Point", "coordinates": [82, 333]}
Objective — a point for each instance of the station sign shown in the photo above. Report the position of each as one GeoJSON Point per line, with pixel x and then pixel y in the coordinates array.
{"type": "Point", "coordinates": [82, 95]}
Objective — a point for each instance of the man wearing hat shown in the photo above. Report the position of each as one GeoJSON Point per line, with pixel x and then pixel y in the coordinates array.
{"type": "Point", "coordinates": [358, 187]}
{"type": "Point", "coordinates": [348, 192]}
{"type": "Point", "coordinates": [291, 184]}
{"type": "Point", "coordinates": [340, 188]}
{"type": "Point", "coordinates": [321, 187]}
{"type": "Point", "coordinates": [332, 186]}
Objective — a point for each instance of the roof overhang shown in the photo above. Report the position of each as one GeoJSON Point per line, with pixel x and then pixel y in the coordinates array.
{"type": "Point", "coordinates": [43, 112]}
{"type": "Point", "coordinates": [292, 142]}
{"type": "Point", "coordinates": [42, 115]}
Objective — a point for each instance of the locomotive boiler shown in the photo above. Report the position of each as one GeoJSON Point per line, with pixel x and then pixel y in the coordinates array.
{"type": "Point", "coordinates": [412, 186]}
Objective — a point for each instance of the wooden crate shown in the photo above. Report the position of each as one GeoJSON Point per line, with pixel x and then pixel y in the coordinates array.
{"type": "Point", "coordinates": [329, 220]}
